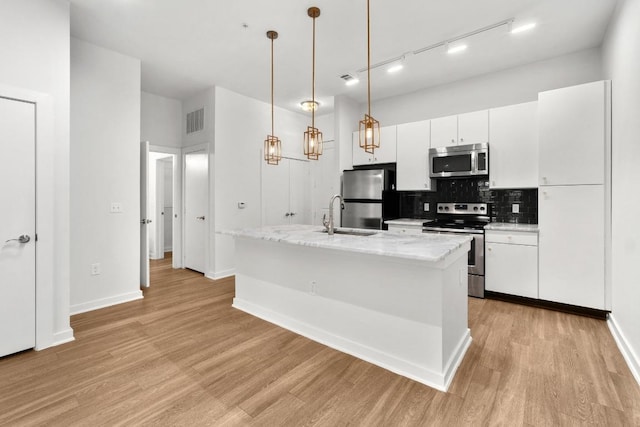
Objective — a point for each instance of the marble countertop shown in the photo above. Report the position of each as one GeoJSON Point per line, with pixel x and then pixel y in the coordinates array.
{"type": "Point", "coordinates": [509, 226]}
{"type": "Point", "coordinates": [407, 221]}
{"type": "Point", "coordinates": [423, 247]}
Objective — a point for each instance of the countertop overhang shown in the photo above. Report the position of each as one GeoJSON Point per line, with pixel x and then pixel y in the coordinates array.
{"type": "Point", "coordinates": [422, 247]}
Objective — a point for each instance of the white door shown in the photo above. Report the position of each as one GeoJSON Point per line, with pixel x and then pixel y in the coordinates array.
{"type": "Point", "coordinates": [195, 208]}
{"type": "Point", "coordinates": [17, 235]}
{"type": "Point", "coordinates": [144, 205]}
{"type": "Point", "coordinates": [299, 189]}
{"type": "Point", "coordinates": [275, 193]}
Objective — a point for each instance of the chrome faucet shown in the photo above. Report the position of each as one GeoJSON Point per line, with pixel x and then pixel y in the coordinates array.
{"type": "Point", "coordinates": [328, 224]}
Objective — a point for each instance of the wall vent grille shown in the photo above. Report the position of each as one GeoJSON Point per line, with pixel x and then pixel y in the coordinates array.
{"type": "Point", "coordinates": [195, 121]}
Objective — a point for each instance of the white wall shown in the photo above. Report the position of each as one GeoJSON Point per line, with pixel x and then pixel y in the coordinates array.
{"type": "Point", "coordinates": [512, 86]}
{"type": "Point", "coordinates": [346, 122]}
{"type": "Point", "coordinates": [105, 168]}
{"type": "Point", "coordinates": [241, 125]}
{"type": "Point", "coordinates": [34, 47]}
{"type": "Point", "coordinates": [160, 120]}
{"type": "Point", "coordinates": [621, 58]}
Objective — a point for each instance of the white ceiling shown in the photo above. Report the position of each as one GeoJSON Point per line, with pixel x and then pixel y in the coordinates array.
{"type": "Point", "coordinates": [188, 45]}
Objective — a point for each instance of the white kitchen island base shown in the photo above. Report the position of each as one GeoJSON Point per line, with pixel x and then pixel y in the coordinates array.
{"type": "Point", "coordinates": [406, 315]}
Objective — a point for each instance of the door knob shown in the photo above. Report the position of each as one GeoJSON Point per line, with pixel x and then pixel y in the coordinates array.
{"type": "Point", "coordinates": [145, 221]}
{"type": "Point", "coordinates": [201, 218]}
{"type": "Point", "coordinates": [293, 213]}
{"type": "Point", "coordinates": [287, 214]}
{"type": "Point", "coordinates": [22, 239]}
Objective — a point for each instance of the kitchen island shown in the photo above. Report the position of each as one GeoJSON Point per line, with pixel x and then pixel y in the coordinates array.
{"type": "Point", "coordinates": [398, 301]}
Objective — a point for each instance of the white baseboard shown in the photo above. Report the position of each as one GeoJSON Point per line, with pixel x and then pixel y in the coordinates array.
{"type": "Point", "coordinates": [105, 302]}
{"type": "Point", "coordinates": [384, 360]}
{"type": "Point", "coordinates": [215, 275]}
{"type": "Point", "coordinates": [63, 337]}
{"type": "Point", "coordinates": [627, 351]}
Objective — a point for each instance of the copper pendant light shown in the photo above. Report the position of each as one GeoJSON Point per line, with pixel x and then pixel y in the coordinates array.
{"type": "Point", "coordinates": [313, 137]}
{"type": "Point", "coordinates": [369, 128]}
{"type": "Point", "coordinates": [272, 145]}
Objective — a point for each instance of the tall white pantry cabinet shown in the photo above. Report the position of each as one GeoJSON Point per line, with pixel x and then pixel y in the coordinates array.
{"type": "Point", "coordinates": [574, 195]}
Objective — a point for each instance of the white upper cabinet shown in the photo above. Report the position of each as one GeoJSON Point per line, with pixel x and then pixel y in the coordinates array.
{"type": "Point", "coordinates": [412, 170]}
{"type": "Point", "coordinates": [468, 128]}
{"type": "Point", "coordinates": [572, 123]}
{"type": "Point", "coordinates": [385, 154]}
{"type": "Point", "coordinates": [444, 131]}
{"type": "Point", "coordinates": [513, 146]}
{"type": "Point", "coordinates": [473, 128]}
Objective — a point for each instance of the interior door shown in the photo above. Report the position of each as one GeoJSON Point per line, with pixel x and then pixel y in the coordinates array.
{"type": "Point", "coordinates": [299, 189]}
{"type": "Point", "coordinates": [275, 193]}
{"type": "Point", "coordinates": [195, 208]}
{"type": "Point", "coordinates": [17, 235]}
{"type": "Point", "coordinates": [144, 221]}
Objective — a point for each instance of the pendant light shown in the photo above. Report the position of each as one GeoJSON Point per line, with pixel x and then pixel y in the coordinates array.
{"type": "Point", "coordinates": [272, 145]}
{"type": "Point", "coordinates": [313, 137]}
{"type": "Point", "coordinates": [369, 128]}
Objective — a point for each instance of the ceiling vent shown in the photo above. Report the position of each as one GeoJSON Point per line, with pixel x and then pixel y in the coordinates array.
{"type": "Point", "coordinates": [195, 121]}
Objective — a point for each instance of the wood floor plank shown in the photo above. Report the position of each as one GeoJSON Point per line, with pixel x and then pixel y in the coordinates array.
{"type": "Point", "coordinates": [184, 356]}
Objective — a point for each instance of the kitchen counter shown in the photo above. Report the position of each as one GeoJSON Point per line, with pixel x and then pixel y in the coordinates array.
{"type": "Point", "coordinates": [407, 222]}
{"type": "Point", "coordinates": [431, 248]}
{"type": "Point", "coordinates": [397, 301]}
{"type": "Point", "coordinates": [508, 226]}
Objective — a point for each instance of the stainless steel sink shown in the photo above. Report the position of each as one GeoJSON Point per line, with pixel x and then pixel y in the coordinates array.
{"type": "Point", "coordinates": [362, 233]}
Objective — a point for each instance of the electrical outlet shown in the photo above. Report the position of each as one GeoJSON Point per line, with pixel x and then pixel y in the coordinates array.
{"type": "Point", "coordinates": [515, 208]}
{"type": "Point", "coordinates": [313, 289]}
{"type": "Point", "coordinates": [95, 269]}
{"type": "Point", "coordinates": [116, 207]}
{"type": "Point", "coordinates": [425, 207]}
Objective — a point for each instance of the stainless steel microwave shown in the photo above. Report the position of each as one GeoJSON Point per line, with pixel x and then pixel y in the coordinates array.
{"type": "Point", "coordinates": [459, 161]}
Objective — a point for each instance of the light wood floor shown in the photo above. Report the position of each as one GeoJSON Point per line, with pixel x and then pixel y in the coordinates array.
{"type": "Point", "coordinates": [183, 356]}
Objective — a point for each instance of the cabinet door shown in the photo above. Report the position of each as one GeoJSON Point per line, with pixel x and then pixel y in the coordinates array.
{"type": "Point", "coordinates": [299, 192]}
{"type": "Point", "coordinates": [572, 134]}
{"type": "Point", "coordinates": [473, 128]}
{"type": "Point", "coordinates": [412, 171]}
{"type": "Point", "coordinates": [387, 151]}
{"type": "Point", "coordinates": [571, 244]}
{"type": "Point", "coordinates": [360, 157]}
{"type": "Point", "coordinates": [511, 269]}
{"type": "Point", "coordinates": [444, 131]}
{"type": "Point", "coordinates": [513, 146]}
{"type": "Point", "coordinates": [275, 193]}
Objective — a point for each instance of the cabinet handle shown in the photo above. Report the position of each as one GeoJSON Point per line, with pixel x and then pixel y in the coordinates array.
{"type": "Point", "coordinates": [453, 141]}
{"type": "Point", "coordinates": [489, 249]}
{"type": "Point", "coordinates": [461, 139]}
{"type": "Point", "coordinates": [287, 214]}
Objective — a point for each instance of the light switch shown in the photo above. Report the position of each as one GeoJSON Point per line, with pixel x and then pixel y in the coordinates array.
{"type": "Point", "coordinates": [515, 208]}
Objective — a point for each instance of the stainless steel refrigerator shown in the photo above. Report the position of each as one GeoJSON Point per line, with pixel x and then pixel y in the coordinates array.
{"type": "Point", "coordinates": [369, 198]}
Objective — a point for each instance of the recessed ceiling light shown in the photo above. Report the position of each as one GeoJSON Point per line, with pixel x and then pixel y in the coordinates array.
{"type": "Point", "coordinates": [458, 48]}
{"type": "Point", "coordinates": [522, 28]}
{"type": "Point", "coordinates": [395, 68]}
{"type": "Point", "coordinates": [309, 105]}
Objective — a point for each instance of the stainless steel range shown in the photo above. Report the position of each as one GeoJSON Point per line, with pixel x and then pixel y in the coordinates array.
{"type": "Point", "coordinates": [465, 218]}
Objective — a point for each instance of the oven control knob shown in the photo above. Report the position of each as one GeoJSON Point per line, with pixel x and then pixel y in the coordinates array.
{"type": "Point", "coordinates": [482, 208]}
{"type": "Point", "coordinates": [475, 208]}
{"type": "Point", "coordinates": [446, 208]}
{"type": "Point", "coordinates": [440, 208]}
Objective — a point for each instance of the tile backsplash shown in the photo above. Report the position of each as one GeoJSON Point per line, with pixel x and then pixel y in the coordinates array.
{"type": "Point", "coordinates": [473, 190]}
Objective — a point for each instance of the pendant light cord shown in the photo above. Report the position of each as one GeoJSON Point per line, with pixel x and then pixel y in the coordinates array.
{"type": "Point", "coordinates": [272, 133]}
{"type": "Point", "coordinates": [313, 77]}
{"type": "Point", "coordinates": [368, 62]}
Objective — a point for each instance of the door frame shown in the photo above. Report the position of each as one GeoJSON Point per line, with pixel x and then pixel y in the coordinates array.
{"type": "Point", "coordinates": [52, 223]}
{"type": "Point", "coordinates": [209, 213]}
{"type": "Point", "coordinates": [178, 224]}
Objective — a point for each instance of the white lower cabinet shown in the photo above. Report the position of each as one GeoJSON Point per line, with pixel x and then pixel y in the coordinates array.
{"type": "Point", "coordinates": [511, 263]}
{"type": "Point", "coordinates": [572, 244]}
